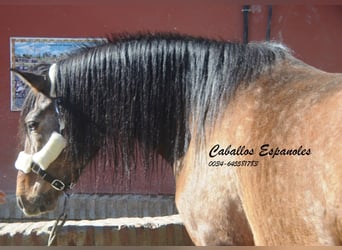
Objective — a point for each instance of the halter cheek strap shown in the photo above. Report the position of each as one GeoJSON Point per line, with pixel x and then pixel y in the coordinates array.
{"type": "Point", "coordinates": [39, 162]}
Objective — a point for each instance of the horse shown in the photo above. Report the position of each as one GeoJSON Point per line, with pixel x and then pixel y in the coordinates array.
{"type": "Point", "coordinates": [253, 134]}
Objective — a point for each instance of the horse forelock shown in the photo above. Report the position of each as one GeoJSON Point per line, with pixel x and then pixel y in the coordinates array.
{"type": "Point", "coordinates": [148, 89]}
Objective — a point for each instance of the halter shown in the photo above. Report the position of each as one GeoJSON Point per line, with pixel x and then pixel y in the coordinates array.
{"type": "Point", "coordinates": [39, 162]}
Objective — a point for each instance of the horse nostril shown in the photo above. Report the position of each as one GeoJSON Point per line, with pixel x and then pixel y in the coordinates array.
{"type": "Point", "coordinates": [42, 208]}
{"type": "Point", "coordinates": [20, 203]}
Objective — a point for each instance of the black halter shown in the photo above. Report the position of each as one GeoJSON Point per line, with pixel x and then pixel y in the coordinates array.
{"type": "Point", "coordinates": [54, 182]}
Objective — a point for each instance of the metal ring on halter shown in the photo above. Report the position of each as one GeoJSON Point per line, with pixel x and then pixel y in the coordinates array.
{"type": "Point", "coordinates": [54, 182]}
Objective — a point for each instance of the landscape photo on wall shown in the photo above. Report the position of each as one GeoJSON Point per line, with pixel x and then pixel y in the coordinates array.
{"type": "Point", "coordinates": [30, 54]}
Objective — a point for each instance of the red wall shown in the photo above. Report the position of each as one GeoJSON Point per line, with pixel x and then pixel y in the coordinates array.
{"type": "Point", "coordinates": [313, 32]}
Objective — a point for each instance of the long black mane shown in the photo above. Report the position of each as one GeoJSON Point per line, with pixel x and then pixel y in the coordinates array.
{"type": "Point", "coordinates": [144, 91]}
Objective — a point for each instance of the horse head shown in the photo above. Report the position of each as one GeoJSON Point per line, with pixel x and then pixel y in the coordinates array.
{"type": "Point", "coordinates": [43, 172]}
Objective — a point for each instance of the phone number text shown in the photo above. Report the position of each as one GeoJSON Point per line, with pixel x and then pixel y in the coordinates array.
{"type": "Point", "coordinates": [233, 163]}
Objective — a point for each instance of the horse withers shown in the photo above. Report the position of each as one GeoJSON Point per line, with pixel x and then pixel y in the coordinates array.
{"type": "Point", "coordinates": [253, 133]}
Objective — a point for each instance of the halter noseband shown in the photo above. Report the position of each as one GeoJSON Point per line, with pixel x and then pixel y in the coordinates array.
{"type": "Point", "coordinates": [55, 183]}
{"type": "Point", "coordinates": [39, 162]}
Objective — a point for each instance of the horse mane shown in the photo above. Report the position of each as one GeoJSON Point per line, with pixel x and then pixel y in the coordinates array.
{"type": "Point", "coordinates": [143, 91]}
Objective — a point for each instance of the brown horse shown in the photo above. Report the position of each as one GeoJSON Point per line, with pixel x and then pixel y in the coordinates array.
{"type": "Point", "coordinates": [254, 134]}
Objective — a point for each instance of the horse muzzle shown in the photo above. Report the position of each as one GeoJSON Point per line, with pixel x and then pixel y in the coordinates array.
{"type": "Point", "coordinates": [36, 206]}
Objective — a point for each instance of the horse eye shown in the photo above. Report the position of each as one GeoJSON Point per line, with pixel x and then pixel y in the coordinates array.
{"type": "Point", "coordinates": [32, 125]}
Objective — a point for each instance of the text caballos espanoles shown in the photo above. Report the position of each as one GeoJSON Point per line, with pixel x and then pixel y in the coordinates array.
{"type": "Point", "coordinates": [264, 150]}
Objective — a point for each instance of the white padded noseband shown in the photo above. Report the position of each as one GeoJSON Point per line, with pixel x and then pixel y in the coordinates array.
{"type": "Point", "coordinates": [44, 157]}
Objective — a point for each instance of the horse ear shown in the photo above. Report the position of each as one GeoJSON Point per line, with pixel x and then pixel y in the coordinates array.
{"type": "Point", "coordinates": [40, 83]}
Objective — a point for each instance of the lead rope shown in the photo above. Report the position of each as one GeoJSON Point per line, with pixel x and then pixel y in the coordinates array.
{"type": "Point", "coordinates": [59, 222]}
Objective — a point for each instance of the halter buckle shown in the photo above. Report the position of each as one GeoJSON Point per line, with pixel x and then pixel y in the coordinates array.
{"type": "Point", "coordinates": [58, 185]}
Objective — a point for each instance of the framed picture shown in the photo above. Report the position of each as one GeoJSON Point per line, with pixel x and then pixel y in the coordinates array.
{"type": "Point", "coordinates": [27, 53]}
